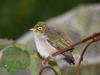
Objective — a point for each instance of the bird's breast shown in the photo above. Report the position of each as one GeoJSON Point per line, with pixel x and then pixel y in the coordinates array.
{"type": "Point", "coordinates": [43, 46]}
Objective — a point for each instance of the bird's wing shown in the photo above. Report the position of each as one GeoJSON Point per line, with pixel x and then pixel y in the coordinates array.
{"type": "Point", "coordinates": [58, 38]}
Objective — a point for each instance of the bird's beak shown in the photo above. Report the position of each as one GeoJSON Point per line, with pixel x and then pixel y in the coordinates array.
{"type": "Point", "coordinates": [32, 29]}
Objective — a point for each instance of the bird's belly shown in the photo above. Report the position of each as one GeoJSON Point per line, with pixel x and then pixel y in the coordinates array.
{"type": "Point", "coordinates": [44, 48]}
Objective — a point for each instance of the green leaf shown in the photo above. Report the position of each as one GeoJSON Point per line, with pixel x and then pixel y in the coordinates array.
{"type": "Point", "coordinates": [52, 63]}
{"type": "Point", "coordinates": [38, 55]}
{"type": "Point", "coordinates": [55, 66]}
{"type": "Point", "coordinates": [15, 58]}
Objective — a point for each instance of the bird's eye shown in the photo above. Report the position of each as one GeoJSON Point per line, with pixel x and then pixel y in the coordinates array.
{"type": "Point", "coordinates": [39, 28]}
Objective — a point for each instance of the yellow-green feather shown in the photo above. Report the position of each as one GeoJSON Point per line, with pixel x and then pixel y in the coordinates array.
{"type": "Point", "coordinates": [59, 42]}
{"type": "Point", "coordinates": [41, 24]}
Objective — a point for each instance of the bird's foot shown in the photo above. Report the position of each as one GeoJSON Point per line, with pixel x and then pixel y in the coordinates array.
{"type": "Point", "coordinates": [45, 61]}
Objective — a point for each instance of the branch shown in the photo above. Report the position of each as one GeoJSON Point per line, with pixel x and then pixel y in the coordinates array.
{"type": "Point", "coordinates": [84, 50]}
{"type": "Point", "coordinates": [92, 37]}
{"type": "Point", "coordinates": [61, 51]}
{"type": "Point", "coordinates": [81, 58]}
{"type": "Point", "coordinates": [95, 35]}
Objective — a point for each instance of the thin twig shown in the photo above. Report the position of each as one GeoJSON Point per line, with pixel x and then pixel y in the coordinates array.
{"type": "Point", "coordinates": [61, 51]}
{"type": "Point", "coordinates": [81, 58]}
{"type": "Point", "coordinates": [47, 67]}
{"type": "Point", "coordinates": [84, 51]}
{"type": "Point", "coordinates": [94, 36]}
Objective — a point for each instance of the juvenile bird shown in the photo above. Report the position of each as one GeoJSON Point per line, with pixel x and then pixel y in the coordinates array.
{"type": "Point", "coordinates": [49, 40]}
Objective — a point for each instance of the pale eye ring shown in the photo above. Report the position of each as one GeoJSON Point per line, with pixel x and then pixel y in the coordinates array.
{"type": "Point", "coordinates": [39, 28]}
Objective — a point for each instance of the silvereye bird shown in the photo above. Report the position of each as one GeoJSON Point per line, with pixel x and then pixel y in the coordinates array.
{"type": "Point", "coordinates": [49, 40]}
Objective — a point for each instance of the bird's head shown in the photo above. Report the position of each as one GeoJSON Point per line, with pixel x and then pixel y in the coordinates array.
{"type": "Point", "coordinates": [39, 27]}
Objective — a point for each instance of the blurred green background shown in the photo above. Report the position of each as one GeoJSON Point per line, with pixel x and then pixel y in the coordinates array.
{"type": "Point", "coordinates": [17, 16]}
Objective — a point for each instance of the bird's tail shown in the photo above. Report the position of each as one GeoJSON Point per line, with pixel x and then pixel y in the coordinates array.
{"type": "Point", "coordinates": [69, 58]}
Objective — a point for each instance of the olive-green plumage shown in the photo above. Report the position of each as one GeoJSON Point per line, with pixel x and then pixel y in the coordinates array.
{"type": "Point", "coordinates": [53, 39]}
